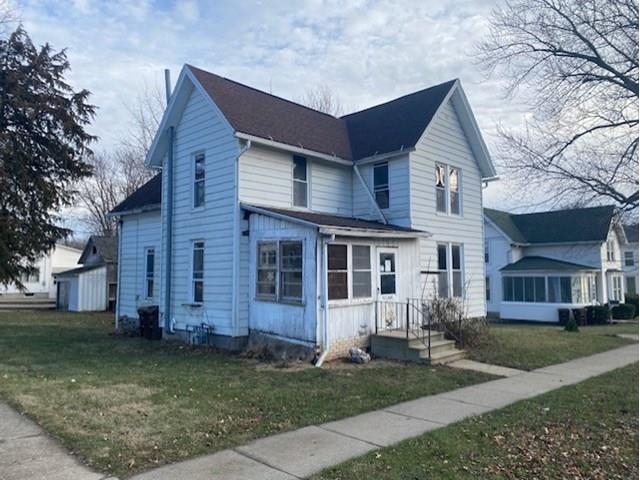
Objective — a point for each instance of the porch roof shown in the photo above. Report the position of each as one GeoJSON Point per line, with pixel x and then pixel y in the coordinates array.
{"type": "Point", "coordinates": [527, 264]}
{"type": "Point", "coordinates": [78, 270]}
{"type": "Point", "coordinates": [340, 225]}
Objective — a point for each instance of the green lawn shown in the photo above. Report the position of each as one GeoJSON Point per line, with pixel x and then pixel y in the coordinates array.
{"type": "Point", "coordinates": [527, 346]}
{"type": "Point", "coordinates": [127, 404]}
{"type": "Point", "coordinates": [585, 431]}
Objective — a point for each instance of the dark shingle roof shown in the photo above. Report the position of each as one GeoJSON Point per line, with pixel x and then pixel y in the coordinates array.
{"type": "Point", "coordinates": [106, 248]}
{"type": "Point", "coordinates": [380, 129]}
{"type": "Point", "coordinates": [394, 125]}
{"type": "Point", "coordinates": [148, 196]}
{"type": "Point", "coordinates": [631, 232]}
{"type": "Point", "coordinates": [264, 115]}
{"type": "Point", "coordinates": [325, 220]}
{"type": "Point", "coordinates": [557, 226]}
{"type": "Point", "coordinates": [544, 263]}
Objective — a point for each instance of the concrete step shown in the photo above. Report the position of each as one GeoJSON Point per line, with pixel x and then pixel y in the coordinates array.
{"type": "Point", "coordinates": [436, 346]}
{"type": "Point", "coordinates": [394, 344]}
{"type": "Point", "coordinates": [442, 358]}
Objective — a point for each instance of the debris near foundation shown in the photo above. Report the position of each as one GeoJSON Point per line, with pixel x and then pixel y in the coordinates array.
{"type": "Point", "coordinates": [357, 355]}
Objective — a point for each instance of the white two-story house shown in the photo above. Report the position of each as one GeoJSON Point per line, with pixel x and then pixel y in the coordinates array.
{"type": "Point", "coordinates": [271, 218]}
{"type": "Point", "coordinates": [540, 262]}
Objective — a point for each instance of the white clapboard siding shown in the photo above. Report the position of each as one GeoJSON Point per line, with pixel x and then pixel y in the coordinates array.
{"type": "Point", "coordinates": [92, 291]}
{"type": "Point", "coordinates": [499, 250]}
{"type": "Point", "coordinates": [399, 210]}
{"type": "Point", "coordinates": [138, 232]}
{"type": "Point", "coordinates": [296, 322]}
{"type": "Point", "coordinates": [202, 129]}
{"type": "Point", "coordinates": [266, 178]}
{"type": "Point", "coordinates": [446, 142]}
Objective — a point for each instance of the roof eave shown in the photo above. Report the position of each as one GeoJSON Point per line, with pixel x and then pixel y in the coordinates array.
{"type": "Point", "coordinates": [370, 233]}
{"type": "Point", "coordinates": [134, 211]}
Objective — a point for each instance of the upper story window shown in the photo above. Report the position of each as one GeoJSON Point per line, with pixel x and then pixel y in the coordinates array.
{"type": "Point", "coordinates": [486, 253]}
{"type": "Point", "coordinates": [611, 252]}
{"type": "Point", "coordinates": [381, 184]}
{"type": "Point", "coordinates": [449, 270]}
{"type": "Point", "coordinates": [300, 182]}
{"type": "Point", "coordinates": [197, 272]}
{"type": "Point", "coordinates": [149, 272]}
{"type": "Point", "coordinates": [628, 259]}
{"type": "Point", "coordinates": [447, 189]}
{"type": "Point", "coordinates": [198, 180]}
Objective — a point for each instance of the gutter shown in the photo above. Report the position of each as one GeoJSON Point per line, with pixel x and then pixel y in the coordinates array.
{"type": "Point", "coordinates": [325, 301]}
{"type": "Point", "coordinates": [369, 194]}
{"type": "Point", "coordinates": [236, 236]}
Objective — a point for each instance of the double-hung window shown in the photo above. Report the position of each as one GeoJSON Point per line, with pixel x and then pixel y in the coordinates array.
{"type": "Point", "coordinates": [349, 271]}
{"type": "Point", "coordinates": [280, 271]}
{"type": "Point", "coordinates": [361, 275]}
{"type": "Point", "coordinates": [300, 182]}
{"type": "Point", "coordinates": [628, 259]}
{"type": "Point", "coordinates": [150, 256]}
{"type": "Point", "coordinates": [448, 198]}
{"type": "Point", "coordinates": [338, 272]}
{"type": "Point", "coordinates": [198, 180]}
{"type": "Point", "coordinates": [197, 272]}
{"type": "Point", "coordinates": [611, 253]}
{"type": "Point", "coordinates": [381, 184]}
{"type": "Point", "coordinates": [450, 270]}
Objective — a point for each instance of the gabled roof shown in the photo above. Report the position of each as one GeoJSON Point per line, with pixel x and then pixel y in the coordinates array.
{"type": "Point", "coordinates": [631, 232]}
{"type": "Point", "coordinates": [106, 249]}
{"type": "Point", "coordinates": [576, 225]}
{"type": "Point", "coordinates": [394, 125]}
{"type": "Point", "coordinates": [332, 221]}
{"type": "Point", "coordinates": [147, 197]}
{"type": "Point", "coordinates": [543, 263]}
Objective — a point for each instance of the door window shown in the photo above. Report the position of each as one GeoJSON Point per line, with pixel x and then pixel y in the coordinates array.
{"type": "Point", "coordinates": [387, 273]}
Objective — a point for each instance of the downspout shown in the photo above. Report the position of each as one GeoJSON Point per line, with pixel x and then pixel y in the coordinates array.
{"type": "Point", "coordinates": [168, 257]}
{"type": "Point", "coordinates": [118, 267]}
{"type": "Point", "coordinates": [236, 235]}
{"type": "Point", "coordinates": [325, 301]}
{"type": "Point", "coordinates": [369, 194]}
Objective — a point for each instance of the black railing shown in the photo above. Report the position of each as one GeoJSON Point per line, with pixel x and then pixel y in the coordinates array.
{"type": "Point", "coordinates": [413, 317]}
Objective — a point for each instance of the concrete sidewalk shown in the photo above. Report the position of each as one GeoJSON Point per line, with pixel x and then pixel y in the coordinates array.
{"type": "Point", "coordinates": [26, 452]}
{"type": "Point", "coordinates": [301, 453]}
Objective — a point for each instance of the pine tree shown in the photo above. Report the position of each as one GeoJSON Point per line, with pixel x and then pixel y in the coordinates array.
{"type": "Point", "coordinates": [42, 145]}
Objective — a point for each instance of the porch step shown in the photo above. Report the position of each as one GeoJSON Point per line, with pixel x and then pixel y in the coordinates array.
{"type": "Point", "coordinates": [396, 345]}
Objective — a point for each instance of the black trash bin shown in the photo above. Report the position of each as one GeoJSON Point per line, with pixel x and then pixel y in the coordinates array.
{"type": "Point", "coordinates": [148, 317]}
{"type": "Point", "coordinates": [564, 314]}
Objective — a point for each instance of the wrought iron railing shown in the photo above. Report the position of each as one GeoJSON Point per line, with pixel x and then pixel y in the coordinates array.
{"type": "Point", "coordinates": [414, 318]}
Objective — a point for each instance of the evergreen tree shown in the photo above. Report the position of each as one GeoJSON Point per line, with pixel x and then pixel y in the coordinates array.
{"type": "Point", "coordinates": [42, 145]}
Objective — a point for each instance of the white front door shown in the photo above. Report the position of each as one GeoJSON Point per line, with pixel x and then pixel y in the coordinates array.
{"type": "Point", "coordinates": [388, 274]}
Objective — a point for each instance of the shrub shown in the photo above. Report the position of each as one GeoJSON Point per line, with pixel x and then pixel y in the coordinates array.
{"type": "Point", "coordinates": [571, 325]}
{"type": "Point", "coordinates": [624, 311]}
{"type": "Point", "coordinates": [632, 298]}
{"type": "Point", "coordinates": [448, 314]}
{"type": "Point", "coordinates": [597, 314]}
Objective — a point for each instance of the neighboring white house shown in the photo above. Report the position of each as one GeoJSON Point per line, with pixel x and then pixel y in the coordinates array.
{"type": "Point", "coordinates": [537, 263]}
{"type": "Point", "coordinates": [630, 258]}
{"type": "Point", "coordinates": [91, 287]}
{"type": "Point", "coordinates": [274, 219]}
{"type": "Point", "coordinates": [41, 282]}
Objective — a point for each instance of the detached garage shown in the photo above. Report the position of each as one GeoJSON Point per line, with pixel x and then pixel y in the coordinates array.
{"type": "Point", "coordinates": [82, 289]}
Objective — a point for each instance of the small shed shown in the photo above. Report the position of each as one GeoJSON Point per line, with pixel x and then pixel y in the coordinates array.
{"type": "Point", "coordinates": [82, 289]}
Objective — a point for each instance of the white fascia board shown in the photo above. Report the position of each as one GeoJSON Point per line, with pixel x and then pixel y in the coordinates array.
{"type": "Point", "coordinates": [135, 211]}
{"type": "Point", "coordinates": [363, 233]}
{"type": "Point", "coordinates": [293, 149]}
{"type": "Point", "coordinates": [384, 156]}
{"type": "Point", "coordinates": [280, 216]}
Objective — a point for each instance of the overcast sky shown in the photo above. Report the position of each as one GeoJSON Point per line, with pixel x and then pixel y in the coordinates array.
{"type": "Point", "coordinates": [365, 51]}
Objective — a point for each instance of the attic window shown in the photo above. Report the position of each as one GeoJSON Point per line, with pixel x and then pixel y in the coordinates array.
{"type": "Point", "coordinates": [94, 250]}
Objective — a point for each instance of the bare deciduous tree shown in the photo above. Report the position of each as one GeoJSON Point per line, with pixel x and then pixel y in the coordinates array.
{"type": "Point", "coordinates": [145, 114]}
{"type": "Point", "coordinates": [323, 99]}
{"type": "Point", "coordinates": [576, 63]}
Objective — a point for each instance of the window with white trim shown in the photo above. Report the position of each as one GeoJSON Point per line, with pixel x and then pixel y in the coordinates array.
{"type": "Point", "coordinates": [300, 182]}
{"type": "Point", "coordinates": [617, 288]}
{"type": "Point", "coordinates": [487, 288]}
{"type": "Point", "coordinates": [448, 193]}
{"type": "Point", "coordinates": [198, 180]}
{"type": "Point", "coordinates": [628, 259]}
{"type": "Point", "coordinates": [381, 184]}
{"type": "Point", "coordinates": [450, 278]}
{"type": "Point", "coordinates": [337, 272]}
{"type": "Point", "coordinates": [197, 272]}
{"type": "Point", "coordinates": [361, 276]}
{"type": "Point", "coordinates": [149, 270]}
{"type": "Point", "coordinates": [349, 272]}
{"type": "Point", "coordinates": [611, 252]}
{"type": "Point", "coordinates": [279, 275]}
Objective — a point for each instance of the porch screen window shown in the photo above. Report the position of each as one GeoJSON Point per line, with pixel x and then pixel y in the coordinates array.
{"type": "Point", "coordinates": [267, 270]}
{"type": "Point", "coordinates": [149, 271]}
{"type": "Point", "coordinates": [559, 289]}
{"type": "Point", "coordinates": [361, 281]}
{"type": "Point", "coordinates": [381, 184]}
{"type": "Point", "coordinates": [628, 259]}
{"type": "Point", "coordinates": [337, 274]}
{"type": "Point", "coordinates": [300, 184]}
{"type": "Point", "coordinates": [197, 272]}
{"type": "Point", "coordinates": [198, 181]}
{"type": "Point", "coordinates": [291, 271]}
